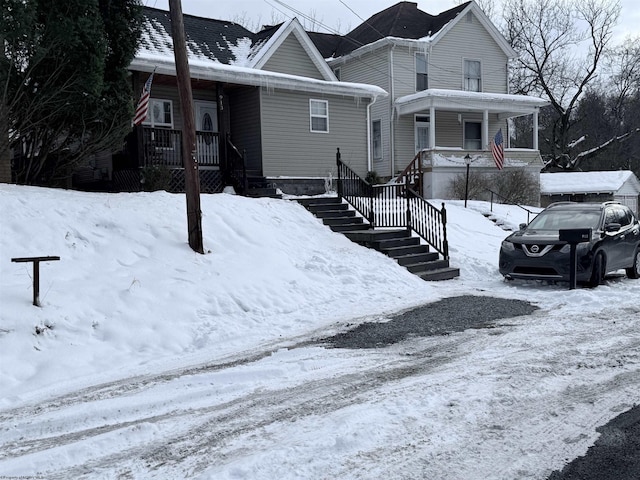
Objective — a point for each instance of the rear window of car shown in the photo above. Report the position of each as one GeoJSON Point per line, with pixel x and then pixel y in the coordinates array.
{"type": "Point", "coordinates": [554, 220]}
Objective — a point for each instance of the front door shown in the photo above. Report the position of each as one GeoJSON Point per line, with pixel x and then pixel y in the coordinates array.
{"type": "Point", "coordinates": [422, 133]}
{"type": "Point", "coordinates": [207, 133]}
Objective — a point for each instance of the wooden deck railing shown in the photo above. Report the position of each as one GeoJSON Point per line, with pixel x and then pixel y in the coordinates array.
{"type": "Point", "coordinates": [394, 205]}
{"type": "Point", "coordinates": [163, 146]}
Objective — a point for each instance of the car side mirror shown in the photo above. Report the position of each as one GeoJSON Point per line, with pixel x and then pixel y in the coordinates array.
{"type": "Point", "coordinates": [612, 227]}
{"type": "Point", "coordinates": [522, 226]}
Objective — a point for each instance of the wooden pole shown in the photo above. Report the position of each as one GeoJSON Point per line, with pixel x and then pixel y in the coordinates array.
{"type": "Point", "coordinates": [189, 157]}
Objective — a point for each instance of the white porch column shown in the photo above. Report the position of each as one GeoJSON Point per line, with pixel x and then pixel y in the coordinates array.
{"type": "Point", "coordinates": [485, 129]}
{"type": "Point", "coordinates": [535, 130]}
{"type": "Point", "coordinates": [432, 127]}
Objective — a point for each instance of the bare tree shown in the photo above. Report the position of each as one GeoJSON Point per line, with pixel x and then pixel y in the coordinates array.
{"type": "Point", "coordinates": [561, 44]}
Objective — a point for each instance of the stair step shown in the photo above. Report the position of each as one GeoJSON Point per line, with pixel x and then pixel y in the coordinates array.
{"type": "Point", "coordinates": [350, 227]}
{"type": "Point", "coordinates": [395, 252]}
{"type": "Point", "coordinates": [417, 258]}
{"type": "Point", "coordinates": [448, 273]}
{"type": "Point", "coordinates": [335, 214]}
{"type": "Point", "coordinates": [342, 220]}
{"type": "Point", "coordinates": [427, 266]}
{"type": "Point", "coordinates": [318, 200]}
{"type": "Point", "coordinates": [377, 235]}
{"type": "Point", "coordinates": [394, 242]}
{"type": "Point", "coordinates": [324, 207]}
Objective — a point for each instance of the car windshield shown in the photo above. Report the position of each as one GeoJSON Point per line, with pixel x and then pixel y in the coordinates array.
{"type": "Point", "coordinates": [554, 220]}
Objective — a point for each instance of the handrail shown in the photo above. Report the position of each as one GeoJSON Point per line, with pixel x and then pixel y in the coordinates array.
{"type": "Point", "coordinates": [394, 205]}
{"type": "Point", "coordinates": [413, 172]}
{"type": "Point", "coordinates": [354, 189]}
{"type": "Point", "coordinates": [428, 222]}
{"type": "Point", "coordinates": [529, 212]}
{"type": "Point", "coordinates": [237, 173]}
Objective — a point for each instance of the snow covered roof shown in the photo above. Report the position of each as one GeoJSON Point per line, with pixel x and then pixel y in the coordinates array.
{"type": "Point", "coordinates": [443, 99]}
{"type": "Point", "coordinates": [585, 182]}
{"type": "Point", "coordinates": [226, 52]}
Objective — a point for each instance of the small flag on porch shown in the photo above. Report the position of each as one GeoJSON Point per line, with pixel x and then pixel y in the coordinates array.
{"type": "Point", "coordinates": [142, 109]}
{"type": "Point", "coordinates": [497, 149]}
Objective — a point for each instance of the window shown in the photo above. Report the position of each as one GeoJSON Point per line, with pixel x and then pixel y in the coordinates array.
{"type": "Point", "coordinates": [319, 115]}
{"type": "Point", "coordinates": [472, 136]}
{"type": "Point", "coordinates": [472, 76]}
{"type": "Point", "coordinates": [376, 139]}
{"type": "Point", "coordinates": [160, 113]}
{"type": "Point", "coordinates": [421, 72]}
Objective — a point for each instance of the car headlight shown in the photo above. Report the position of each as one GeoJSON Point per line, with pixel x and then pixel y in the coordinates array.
{"type": "Point", "coordinates": [508, 246]}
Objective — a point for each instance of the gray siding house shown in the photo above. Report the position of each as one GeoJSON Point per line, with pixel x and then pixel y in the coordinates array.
{"type": "Point", "coordinates": [266, 103]}
{"type": "Point", "coordinates": [447, 78]}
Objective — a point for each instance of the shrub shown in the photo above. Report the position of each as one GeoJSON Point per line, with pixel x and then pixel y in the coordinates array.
{"type": "Point", "coordinates": [155, 177]}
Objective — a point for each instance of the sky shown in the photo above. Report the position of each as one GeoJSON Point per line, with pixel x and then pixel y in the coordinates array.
{"type": "Point", "coordinates": [343, 15]}
{"type": "Point", "coordinates": [147, 360]}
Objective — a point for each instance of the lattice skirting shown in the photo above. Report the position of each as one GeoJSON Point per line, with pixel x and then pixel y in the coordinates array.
{"type": "Point", "coordinates": [131, 181]}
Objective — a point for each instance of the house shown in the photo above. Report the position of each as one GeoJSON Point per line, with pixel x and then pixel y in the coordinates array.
{"type": "Point", "coordinates": [265, 104]}
{"type": "Point", "coordinates": [620, 185]}
{"type": "Point", "coordinates": [447, 78]}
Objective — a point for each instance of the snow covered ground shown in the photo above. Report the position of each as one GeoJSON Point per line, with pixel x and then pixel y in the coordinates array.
{"type": "Point", "coordinates": [156, 362]}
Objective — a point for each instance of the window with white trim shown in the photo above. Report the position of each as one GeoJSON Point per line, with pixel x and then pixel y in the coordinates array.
{"type": "Point", "coordinates": [376, 139]}
{"type": "Point", "coordinates": [421, 72]}
{"type": "Point", "coordinates": [319, 116]}
{"type": "Point", "coordinates": [472, 135]}
{"type": "Point", "coordinates": [472, 76]}
{"type": "Point", "coordinates": [160, 113]}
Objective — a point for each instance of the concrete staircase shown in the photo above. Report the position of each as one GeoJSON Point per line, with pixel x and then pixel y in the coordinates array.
{"type": "Point", "coordinates": [398, 244]}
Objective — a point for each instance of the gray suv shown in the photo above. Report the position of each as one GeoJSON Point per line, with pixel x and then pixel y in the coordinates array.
{"type": "Point", "coordinates": [536, 252]}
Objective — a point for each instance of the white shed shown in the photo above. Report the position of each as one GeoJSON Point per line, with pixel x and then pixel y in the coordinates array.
{"type": "Point", "coordinates": [620, 185]}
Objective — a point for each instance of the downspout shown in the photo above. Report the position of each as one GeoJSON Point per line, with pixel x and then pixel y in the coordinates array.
{"type": "Point", "coordinates": [369, 159]}
{"type": "Point", "coordinates": [392, 112]}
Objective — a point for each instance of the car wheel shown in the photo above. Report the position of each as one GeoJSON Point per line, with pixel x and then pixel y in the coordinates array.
{"type": "Point", "coordinates": [597, 273]}
{"type": "Point", "coordinates": [634, 271]}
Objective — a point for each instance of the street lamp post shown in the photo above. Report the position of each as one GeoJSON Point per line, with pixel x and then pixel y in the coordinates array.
{"type": "Point", "coordinates": [467, 161]}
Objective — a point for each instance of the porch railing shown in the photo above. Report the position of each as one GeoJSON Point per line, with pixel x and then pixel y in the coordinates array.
{"type": "Point", "coordinates": [394, 205]}
{"type": "Point", "coordinates": [413, 173]}
{"type": "Point", "coordinates": [163, 146]}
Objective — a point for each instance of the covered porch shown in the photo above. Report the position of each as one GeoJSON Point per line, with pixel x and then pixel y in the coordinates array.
{"type": "Point", "coordinates": [465, 122]}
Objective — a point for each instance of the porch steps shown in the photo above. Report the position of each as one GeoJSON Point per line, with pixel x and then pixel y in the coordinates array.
{"type": "Point", "coordinates": [258, 186]}
{"type": "Point", "coordinates": [397, 244]}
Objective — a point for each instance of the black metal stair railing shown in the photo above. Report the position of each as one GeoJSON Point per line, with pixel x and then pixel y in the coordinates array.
{"type": "Point", "coordinates": [355, 190]}
{"type": "Point", "coordinates": [395, 205]}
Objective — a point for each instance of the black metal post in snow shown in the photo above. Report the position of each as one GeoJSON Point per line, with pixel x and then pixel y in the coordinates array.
{"type": "Point", "coordinates": [466, 188]}
{"type": "Point", "coordinates": [408, 209]}
{"type": "Point", "coordinates": [339, 174]}
{"type": "Point", "coordinates": [445, 242]}
{"type": "Point", "coordinates": [36, 273]}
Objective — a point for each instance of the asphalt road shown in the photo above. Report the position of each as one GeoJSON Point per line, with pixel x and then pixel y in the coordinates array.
{"type": "Point", "coordinates": [616, 453]}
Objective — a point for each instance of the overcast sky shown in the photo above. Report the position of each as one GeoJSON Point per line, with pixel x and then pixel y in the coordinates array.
{"type": "Point", "coordinates": [341, 15]}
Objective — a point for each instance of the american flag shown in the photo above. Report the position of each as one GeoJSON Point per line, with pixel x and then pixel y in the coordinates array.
{"type": "Point", "coordinates": [143, 105]}
{"type": "Point", "coordinates": [497, 148]}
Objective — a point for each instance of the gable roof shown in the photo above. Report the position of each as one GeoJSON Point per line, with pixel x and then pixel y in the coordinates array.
{"type": "Point", "coordinates": [402, 20]}
{"type": "Point", "coordinates": [405, 21]}
{"type": "Point", "coordinates": [225, 42]}
{"type": "Point", "coordinates": [586, 182]}
{"type": "Point", "coordinates": [270, 44]}
{"type": "Point", "coordinates": [227, 52]}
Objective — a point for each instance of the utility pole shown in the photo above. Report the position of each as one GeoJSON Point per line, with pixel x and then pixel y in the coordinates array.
{"type": "Point", "coordinates": [189, 158]}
